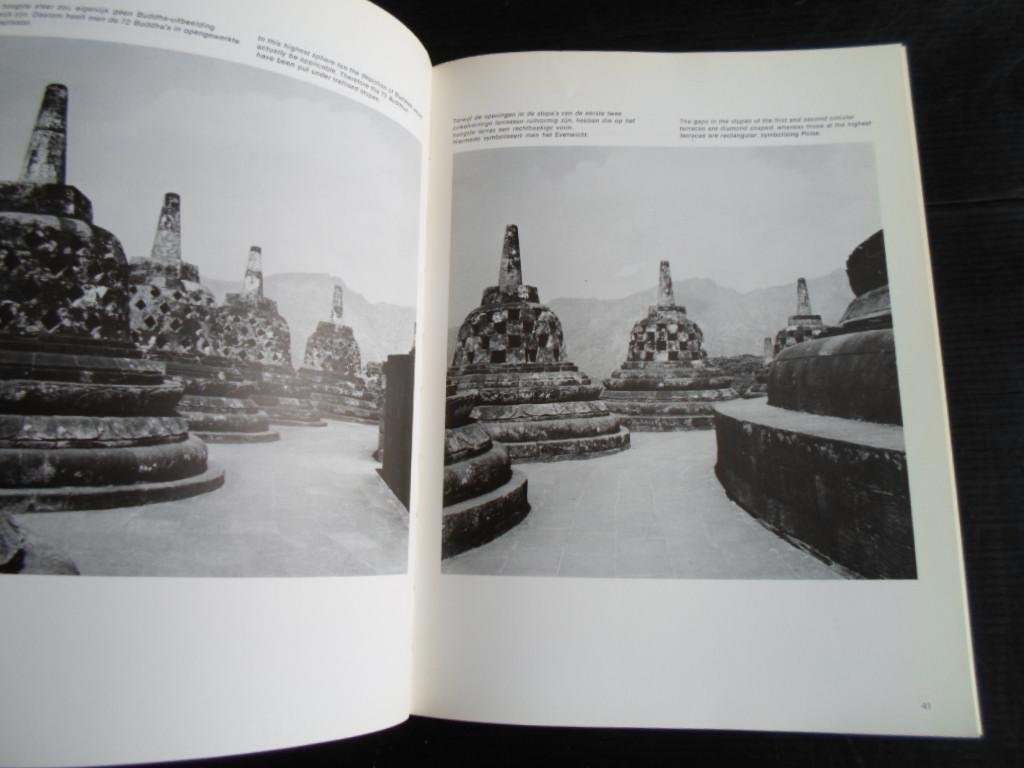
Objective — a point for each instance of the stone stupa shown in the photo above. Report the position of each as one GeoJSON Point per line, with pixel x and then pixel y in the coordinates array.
{"type": "Point", "coordinates": [823, 462]}
{"type": "Point", "coordinates": [87, 422]}
{"type": "Point", "coordinates": [171, 316]}
{"type": "Point", "coordinates": [483, 495]}
{"type": "Point", "coordinates": [803, 325]}
{"type": "Point", "coordinates": [666, 382]}
{"type": "Point", "coordinates": [249, 330]}
{"type": "Point", "coordinates": [331, 371]}
{"type": "Point", "coordinates": [531, 399]}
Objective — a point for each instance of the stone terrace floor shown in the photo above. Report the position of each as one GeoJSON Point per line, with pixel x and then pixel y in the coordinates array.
{"type": "Point", "coordinates": [655, 510]}
{"type": "Point", "coordinates": [308, 505]}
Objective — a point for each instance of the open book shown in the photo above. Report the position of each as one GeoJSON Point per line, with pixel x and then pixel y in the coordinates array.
{"type": "Point", "coordinates": [669, 315]}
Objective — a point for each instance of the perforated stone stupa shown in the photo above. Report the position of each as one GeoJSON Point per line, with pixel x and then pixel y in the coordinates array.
{"type": "Point", "coordinates": [803, 325]}
{"type": "Point", "coordinates": [823, 460]}
{"type": "Point", "coordinates": [85, 422]}
{"type": "Point", "coordinates": [249, 330]}
{"type": "Point", "coordinates": [531, 398]}
{"type": "Point", "coordinates": [331, 370]}
{"type": "Point", "coordinates": [483, 496]}
{"type": "Point", "coordinates": [172, 321]}
{"type": "Point", "coordinates": [666, 382]}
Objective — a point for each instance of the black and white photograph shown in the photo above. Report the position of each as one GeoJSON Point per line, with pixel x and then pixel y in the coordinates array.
{"type": "Point", "coordinates": [673, 362]}
{"type": "Point", "coordinates": [207, 274]}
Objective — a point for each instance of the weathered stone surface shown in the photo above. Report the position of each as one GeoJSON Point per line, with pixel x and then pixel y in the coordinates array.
{"type": "Point", "coordinates": [61, 275]}
{"type": "Point", "coordinates": [512, 354]}
{"type": "Point", "coordinates": [865, 267]}
{"type": "Point", "coordinates": [571, 448]}
{"type": "Point", "coordinates": [49, 431]}
{"type": "Point", "coordinates": [844, 497]}
{"type": "Point", "coordinates": [465, 442]}
{"type": "Point", "coordinates": [803, 325]}
{"type": "Point", "coordinates": [470, 523]}
{"type": "Point", "coordinates": [872, 309]}
{"type": "Point", "coordinates": [475, 475]}
{"type": "Point", "coordinates": [83, 420]}
{"type": "Point", "coordinates": [666, 377]}
{"type": "Point", "coordinates": [851, 375]}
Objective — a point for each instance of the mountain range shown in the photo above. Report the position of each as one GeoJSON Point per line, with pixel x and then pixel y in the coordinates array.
{"type": "Point", "coordinates": [304, 299]}
{"type": "Point", "coordinates": [597, 330]}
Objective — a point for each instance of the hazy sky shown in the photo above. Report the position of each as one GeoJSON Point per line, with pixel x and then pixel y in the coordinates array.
{"type": "Point", "coordinates": [321, 183]}
{"type": "Point", "coordinates": [595, 222]}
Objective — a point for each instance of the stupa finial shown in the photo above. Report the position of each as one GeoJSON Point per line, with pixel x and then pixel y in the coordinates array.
{"type": "Point", "coordinates": [510, 273]}
{"type": "Point", "coordinates": [167, 243]}
{"type": "Point", "coordinates": [252, 286]}
{"type": "Point", "coordinates": [803, 298]}
{"type": "Point", "coordinates": [337, 305]}
{"type": "Point", "coordinates": [46, 158]}
{"type": "Point", "coordinates": [666, 297]}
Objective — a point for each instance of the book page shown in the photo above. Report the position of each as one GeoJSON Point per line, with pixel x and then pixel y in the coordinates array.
{"type": "Point", "coordinates": [697, 470]}
{"type": "Point", "coordinates": [210, 228]}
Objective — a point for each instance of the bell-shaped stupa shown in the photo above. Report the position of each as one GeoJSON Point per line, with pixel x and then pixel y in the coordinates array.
{"type": "Point", "coordinates": [331, 371]}
{"type": "Point", "coordinates": [803, 325]}
{"type": "Point", "coordinates": [87, 422]}
{"type": "Point", "coordinates": [249, 330]}
{"type": "Point", "coordinates": [823, 460]}
{"type": "Point", "coordinates": [171, 317]}
{"type": "Point", "coordinates": [530, 397]}
{"type": "Point", "coordinates": [666, 382]}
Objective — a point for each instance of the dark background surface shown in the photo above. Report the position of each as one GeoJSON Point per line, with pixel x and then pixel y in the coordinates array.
{"type": "Point", "coordinates": [967, 74]}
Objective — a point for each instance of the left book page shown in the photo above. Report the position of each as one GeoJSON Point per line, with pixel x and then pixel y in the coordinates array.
{"type": "Point", "coordinates": [210, 235]}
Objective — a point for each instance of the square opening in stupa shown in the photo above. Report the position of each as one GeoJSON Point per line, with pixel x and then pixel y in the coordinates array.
{"type": "Point", "coordinates": [822, 461]}
{"type": "Point", "coordinates": [666, 382]}
{"type": "Point", "coordinates": [248, 329]}
{"type": "Point", "coordinates": [171, 321]}
{"type": "Point", "coordinates": [331, 370]}
{"type": "Point", "coordinates": [88, 423]}
{"type": "Point", "coordinates": [535, 402]}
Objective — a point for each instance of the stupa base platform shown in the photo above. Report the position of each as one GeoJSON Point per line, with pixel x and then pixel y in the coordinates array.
{"type": "Point", "coordinates": [835, 487]}
{"type": "Point", "coordinates": [666, 423]}
{"type": "Point", "coordinates": [226, 419]}
{"type": "Point", "coordinates": [480, 519]}
{"type": "Point", "coordinates": [238, 437]}
{"type": "Point", "coordinates": [571, 448]}
{"type": "Point", "coordinates": [290, 411]}
{"type": "Point", "coordinates": [77, 497]}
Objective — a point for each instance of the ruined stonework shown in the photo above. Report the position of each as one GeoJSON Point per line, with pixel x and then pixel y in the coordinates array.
{"type": "Point", "coordinates": [85, 421]}
{"type": "Point", "coordinates": [760, 386]}
{"type": "Point", "coordinates": [531, 399]}
{"type": "Point", "coordinates": [248, 330]}
{"type": "Point", "coordinates": [666, 382]}
{"type": "Point", "coordinates": [172, 321]}
{"type": "Point", "coordinates": [823, 462]}
{"type": "Point", "coordinates": [331, 369]}
{"type": "Point", "coordinates": [803, 325]}
{"type": "Point", "coordinates": [483, 496]}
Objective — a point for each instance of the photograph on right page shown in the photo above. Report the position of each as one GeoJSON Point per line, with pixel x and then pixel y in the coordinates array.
{"type": "Point", "coordinates": [672, 362]}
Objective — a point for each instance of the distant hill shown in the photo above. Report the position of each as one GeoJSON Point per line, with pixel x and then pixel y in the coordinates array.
{"type": "Point", "coordinates": [304, 299]}
{"type": "Point", "coordinates": [734, 323]}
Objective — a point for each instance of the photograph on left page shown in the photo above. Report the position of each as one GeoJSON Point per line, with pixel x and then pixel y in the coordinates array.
{"type": "Point", "coordinates": [207, 276]}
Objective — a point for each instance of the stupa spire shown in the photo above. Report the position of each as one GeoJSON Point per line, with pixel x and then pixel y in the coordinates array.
{"type": "Point", "coordinates": [666, 297]}
{"type": "Point", "coordinates": [252, 286]}
{"type": "Point", "coordinates": [510, 273]}
{"type": "Point", "coordinates": [803, 298]}
{"type": "Point", "coordinates": [337, 305]}
{"type": "Point", "coordinates": [46, 158]}
{"type": "Point", "coordinates": [167, 243]}
{"type": "Point", "coordinates": [769, 350]}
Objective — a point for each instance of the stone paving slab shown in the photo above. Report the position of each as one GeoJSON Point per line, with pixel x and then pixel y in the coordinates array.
{"type": "Point", "coordinates": [654, 511]}
{"type": "Point", "coordinates": [311, 504]}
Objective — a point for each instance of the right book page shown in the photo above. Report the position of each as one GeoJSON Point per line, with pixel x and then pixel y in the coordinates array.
{"type": "Point", "coordinates": [697, 469]}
